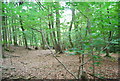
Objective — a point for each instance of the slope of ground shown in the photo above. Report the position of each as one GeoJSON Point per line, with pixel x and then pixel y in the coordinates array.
{"type": "Point", "coordinates": [40, 64]}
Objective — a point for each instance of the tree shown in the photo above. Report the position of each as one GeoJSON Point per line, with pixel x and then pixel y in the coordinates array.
{"type": "Point", "coordinates": [58, 46]}
{"type": "Point", "coordinates": [92, 28]}
{"type": "Point", "coordinates": [1, 41]}
{"type": "Point", "coordinates": [21, 24]}
{"type": "Point", "coordinates": [4, 29]}
{"type": "Point", "coordinates": [71, 24]}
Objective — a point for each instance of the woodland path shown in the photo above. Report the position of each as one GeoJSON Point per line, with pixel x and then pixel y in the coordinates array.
{"type": "Point", "coordinates": [41, 64]}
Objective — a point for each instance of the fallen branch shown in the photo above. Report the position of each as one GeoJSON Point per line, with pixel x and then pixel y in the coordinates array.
{"type": "Point", "coordinates": [64, 66]}
{"type": "Point", "coordinates": [54, 55]}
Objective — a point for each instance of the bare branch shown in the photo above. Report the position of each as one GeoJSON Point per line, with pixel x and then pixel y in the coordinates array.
{"type": "Point", "coordinates": [83, 14]}
{"type": "Point", "coordinates": [36, 30]}
{"type": "Point", "coordinates": [40, 5]}
{"type": "Point", "coordinates": [54, 55]}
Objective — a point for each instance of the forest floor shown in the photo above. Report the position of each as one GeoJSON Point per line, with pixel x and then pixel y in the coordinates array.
{"type": "Point", "coordinates": [40, 64]}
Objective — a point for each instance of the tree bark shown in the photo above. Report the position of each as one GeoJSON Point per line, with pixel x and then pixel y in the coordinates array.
{"type": "Point", "coordinates": [21, 23]}
{"type": "Point", "coordinates": [51, 35]}
{"type": "Point", "coordinates": [109, 38]}
{"type": "Point", "coordinates": [70, 29]}
{"type": "Point", "coordinates": [1, 59]}
{"type": "Point", "coordinates": [14, 34]}
{"type": "Point", "coordinates": [58, 45]}
{"type": "Point", "coordinates": [43, 41]}
{"type": "Point", "coordinates": [24, 35]}
{"type": "Point", "coordinates": [4, 31]}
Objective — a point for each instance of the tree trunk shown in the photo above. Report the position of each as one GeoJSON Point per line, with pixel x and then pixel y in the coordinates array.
{"type": "Point", "coordinates": [14, 35]}
{"type": "Point", "coordinates": [21, 23]}
{"type": "Point", "coordinates": [58, 45]}
{"type": "Point", "coordinates": [9, 32]}
{"type": "Point", "coordinates": [47, 38]}
{"type": "Point", "coordinates": [56, 42]}
{"type": "Point", "coordinates": [35, 40]}
{"type": "Point", "coordinates": [109, 39]}
{"type": "Point", "coordinates": [51, 34]}
{"type": "Point", "coordinates": [54, 36]}
{"type": "Point", "coordinates": [73, 14]}
{"type": "Point", "coordinates": [43, 41]}
{"type": "Point", "coordinates": [4, 31]}
{"type": "Point", "coordinates": [1, 59]}
{"type": "Point", "coordinates": [24, 35]}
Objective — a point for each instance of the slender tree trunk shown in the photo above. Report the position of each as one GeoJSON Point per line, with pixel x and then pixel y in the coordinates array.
{"type": "Point", "coordinates": [83, 74]}
{"type": "Point", "coordinates": [24, 35]}
{"type": "Point", "coordinates": [20, 41]}
{"type": "Point", "coordinates": [21, 23]}
{"type": "Point", "coordinates": [107, 50]}
{"type": "Point", "coordinates": [58, 25]}
{"type": "Point", "coordinates": [43, 41]}
{"type": "Point", "coordinates": [47, 38]}
{"type": "Point", "coordinates": [70, 29]}
{"type": "Point", "coordinates": [54, 35]}
{"type": "Point", "coordinates": [1, 59]}
{"type": "Point", "coordinates": [14, 35]}
{"type": "Point", "coordinates": [49, 26]}
{"type": "Point", "coordinates": [109, 39]}
{"type": "Point", "coordinates": [4, 31]}
{"type": "Point", "coordinates": [35, 40]}
{"type": "Point", "coordinates": [119, 32]}
{"type": "Point", "coordinates": [11, 42]}
{"type": "Point", "coordinates": [9, 30]}
{"type": "Point", "coordinates": [58, 45]}
{"type": "Point", "coordinates": [51, 35]}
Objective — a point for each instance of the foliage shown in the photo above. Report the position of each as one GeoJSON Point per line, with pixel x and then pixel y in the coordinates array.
{"type": "Point", "coordinates": [92, 26]}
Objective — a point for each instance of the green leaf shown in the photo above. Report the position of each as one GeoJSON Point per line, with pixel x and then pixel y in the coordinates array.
{"type": "Point", "coordinates": [96, 56]}
{"type": "Point", "coordinates": [90, 67]}
{"type": "Point", "coordinates": [97, 63]}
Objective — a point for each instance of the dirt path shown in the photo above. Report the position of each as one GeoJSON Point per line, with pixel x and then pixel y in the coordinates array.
{"type": "Point", "coordinates": [40, 64]}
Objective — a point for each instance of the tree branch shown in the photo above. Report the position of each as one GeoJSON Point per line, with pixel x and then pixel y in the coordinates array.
{"type": "Point", "coordinates": [36, 30]}
{"type": "Point", "coordinates": [55, 55]}
{"type": "Point", "coordinates": [40, 5]}
{"type": "Point", "coordinates": [83, 14]}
